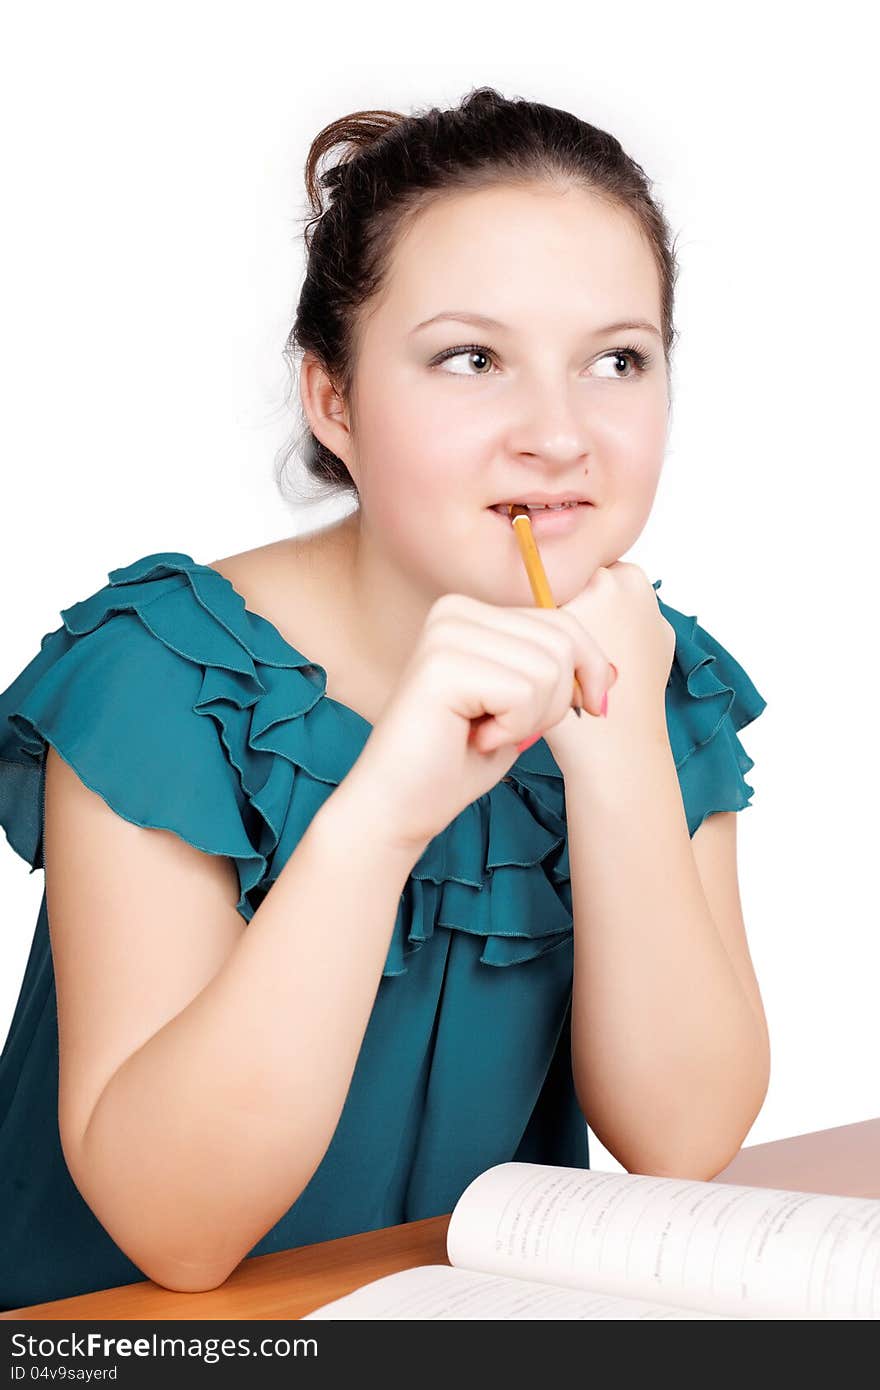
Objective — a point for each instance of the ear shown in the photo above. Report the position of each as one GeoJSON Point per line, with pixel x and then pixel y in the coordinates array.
{"type": "Point", "coordinates": [325, 409]}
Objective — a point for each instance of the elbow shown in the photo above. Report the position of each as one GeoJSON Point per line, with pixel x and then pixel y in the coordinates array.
{"type": "Point", "coordinates": [696, 1161]}
{"type": "Point", "coordinates": [184, 1276]}
{"type": "Point", "coordinates": [183, 1272]}
{"type": "Point", "coordinates": [186, 1269]}
{"type": "Point", "coordinates": [694, 1155]}
{"type": "Point", "coordinates": [688, 1170]}
{"type": "Point", "coordinates": [178, 1273]}
{"type": "Point", "coordinates": [169, 1259]}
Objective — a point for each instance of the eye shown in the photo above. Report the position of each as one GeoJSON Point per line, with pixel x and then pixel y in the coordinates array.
{"type": "Point", "coordinates": [483, 357]}
{"type": "Point", "coordinates": [469, 351]}
{"type": "Point", "coordinates": [640, 362]}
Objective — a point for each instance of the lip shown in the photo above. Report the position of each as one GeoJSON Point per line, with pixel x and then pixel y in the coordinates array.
{"type": "Point", "coordinates": [551, 498]}
{"type": "Point", "coordinates": [549, 523]}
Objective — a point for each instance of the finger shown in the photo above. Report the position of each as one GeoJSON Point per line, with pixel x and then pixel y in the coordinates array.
{"type": "Point", "coordinates": [506, 699]}
{"type": "Point", "coordinates": [595, 673]}
{"type": "Point", "coordinates": [601, 673]}
{"type": "Point", "coordinates": [508, 702]}
{"type": "Point", "coordinates": [566, 640]}
{"type": "Point", "coordinates": [545, 667]}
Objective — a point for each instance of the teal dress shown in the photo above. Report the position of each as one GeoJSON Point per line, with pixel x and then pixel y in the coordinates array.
{"type": "Point", "coordinates": [185, 710]}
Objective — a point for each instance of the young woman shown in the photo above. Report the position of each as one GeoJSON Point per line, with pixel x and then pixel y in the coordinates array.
{"type": "Point", "coordinates": [326, 932]}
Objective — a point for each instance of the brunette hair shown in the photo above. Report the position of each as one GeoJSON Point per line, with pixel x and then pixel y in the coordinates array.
{"type": "Point", "coordinates": [392, 167]}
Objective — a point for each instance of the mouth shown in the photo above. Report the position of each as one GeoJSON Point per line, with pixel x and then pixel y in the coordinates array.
{"type": "Point", "coordinates": [546, 520]}
{"type": "Point", "coordinates": [539, 506]}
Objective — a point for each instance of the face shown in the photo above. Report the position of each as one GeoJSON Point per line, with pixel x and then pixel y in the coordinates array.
{"type": "Point", "coordinates": [454, 417]}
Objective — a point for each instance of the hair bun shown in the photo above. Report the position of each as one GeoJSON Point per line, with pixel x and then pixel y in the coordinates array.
{"type": "Point", "coordinates": [331, 178]}
{"type": "Point", "coordinates": [358, 131]}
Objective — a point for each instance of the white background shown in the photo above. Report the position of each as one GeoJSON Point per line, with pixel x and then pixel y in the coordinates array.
{"type": "Point", "coordinates": [151, 261]}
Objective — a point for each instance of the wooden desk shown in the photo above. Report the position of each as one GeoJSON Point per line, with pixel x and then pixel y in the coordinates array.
{"type": "Point", "coordinates": [845, 1160]}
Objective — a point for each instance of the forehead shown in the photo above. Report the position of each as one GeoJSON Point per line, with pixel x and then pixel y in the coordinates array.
{"type": "Point", "coordinates": [521, 253]}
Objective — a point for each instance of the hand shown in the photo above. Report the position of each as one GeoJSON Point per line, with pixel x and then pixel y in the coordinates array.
{"type": "Point", "coordinates": [619, 610]}
{"type": "Point", "coordinates": [481, 679]}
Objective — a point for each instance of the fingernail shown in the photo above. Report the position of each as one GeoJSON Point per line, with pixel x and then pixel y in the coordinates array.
{"type": "Point", "coordinates": [527, 743]}
{"type": "Point", "coordinates": [603, 708]}
{"type": "Point", "coordinates": [613, 673]}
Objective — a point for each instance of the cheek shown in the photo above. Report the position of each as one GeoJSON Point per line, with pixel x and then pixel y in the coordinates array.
{"type": "Point", "coordinates": [635, 465]}
{"type": "Point", "coordinates": [411, 449]}
{"type": "Point", "coordinates": [639, 445]}
{"type": "Point", "coordinates": [653, 421]}
{"type": "Point", "coordinates": [639, 489]}
{"type": "Point", "coordinates": [638, 422]}
{"type": "Point", "coordinates": [412, 492]}
{"type": "Point", "coordinates": [417, 467]}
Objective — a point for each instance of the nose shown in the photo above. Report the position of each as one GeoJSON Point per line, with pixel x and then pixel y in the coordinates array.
{"type": "Point", "coordinates": [551, 423]}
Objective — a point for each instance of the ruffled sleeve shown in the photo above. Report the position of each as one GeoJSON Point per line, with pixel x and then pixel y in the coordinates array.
{"type": "Point", "coordinates": [122, 691]}
{"type": "Point", "coordinates": [709, 699]}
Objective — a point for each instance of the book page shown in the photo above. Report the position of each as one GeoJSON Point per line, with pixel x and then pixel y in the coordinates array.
{"type": "Point", "coordinates": [438, 1292]}
{"type": "Point", "coordinates": [746, 1252]}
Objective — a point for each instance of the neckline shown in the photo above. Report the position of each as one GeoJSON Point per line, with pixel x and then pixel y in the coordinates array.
{"type": "Point", "coordinates": [301, 658]}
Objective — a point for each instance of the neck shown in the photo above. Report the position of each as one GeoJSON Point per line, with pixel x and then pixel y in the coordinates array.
{"type": "Point", "coordinates": [384, 610]}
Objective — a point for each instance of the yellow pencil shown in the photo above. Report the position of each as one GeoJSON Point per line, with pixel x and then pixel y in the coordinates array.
{"type": "Point", "coordinates": [537, 578]}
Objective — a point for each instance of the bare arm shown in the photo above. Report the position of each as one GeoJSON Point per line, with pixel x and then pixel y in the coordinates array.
{"type": "Point", "coordinates": [205, 1133]}
{"type": "Point", "coordinates": [670, 1052]}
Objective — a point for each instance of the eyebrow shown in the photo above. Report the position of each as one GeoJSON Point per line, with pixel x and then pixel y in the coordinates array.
{"type": "Point", "coordinates": [483, 321]}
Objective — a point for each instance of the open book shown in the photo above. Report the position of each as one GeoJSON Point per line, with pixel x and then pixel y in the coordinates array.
{"type": "Point", "coordinates": [536, 1241]}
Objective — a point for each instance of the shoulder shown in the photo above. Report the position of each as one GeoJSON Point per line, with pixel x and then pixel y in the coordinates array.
{"type": "Point", "coordinates": [259, 565]}
{"type": "Point", "coordinates": [297, 567]}
{"type": "Point", "coordinates": [267, 578]}
{"type": "Point", "coordinates": [295, 584]}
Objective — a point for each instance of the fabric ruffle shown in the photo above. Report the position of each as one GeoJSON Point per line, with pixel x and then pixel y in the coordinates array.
{"type": "Point", "coordinates": [185, 711]}
{"type": "Point", "coordinates": [709, 699]}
